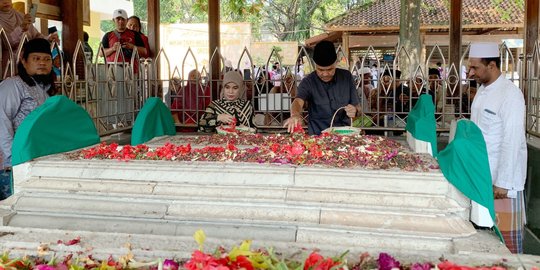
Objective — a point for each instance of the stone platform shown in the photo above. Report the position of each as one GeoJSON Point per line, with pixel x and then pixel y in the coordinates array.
{"type": "Point", "coordinates": [278, 205]}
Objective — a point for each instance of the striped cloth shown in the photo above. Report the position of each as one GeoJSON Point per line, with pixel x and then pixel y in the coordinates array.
{"type": "Point", "coordinates": [511, 221]}
{"type": "Point", "coordinates": [241, 109]}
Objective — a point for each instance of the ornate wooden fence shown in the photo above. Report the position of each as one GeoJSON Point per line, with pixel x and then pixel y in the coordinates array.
{"type": "Point", "coordinates": [113, 92]}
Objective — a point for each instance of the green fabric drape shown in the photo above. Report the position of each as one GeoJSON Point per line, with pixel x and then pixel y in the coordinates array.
{"type": "Point", "coordinates": [58, 125]}
{"type": "Point", "coordinates": [464, 162]}
{"type": "Point", "coordinates": [421, 122]}
{"type": "Point", "coordinates": [154, 120]}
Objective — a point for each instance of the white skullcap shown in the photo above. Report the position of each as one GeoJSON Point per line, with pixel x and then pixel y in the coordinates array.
{"type": "Point", "coordinates": [364, 70]}
{"type": "Point", "coordinates": [484, 50]}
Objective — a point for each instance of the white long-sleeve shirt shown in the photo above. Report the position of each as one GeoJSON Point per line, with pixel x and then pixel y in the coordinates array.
{"type": "Point", "coordinates": [17, 100]}
{"type": "Point", "coordinates": [499, 111]}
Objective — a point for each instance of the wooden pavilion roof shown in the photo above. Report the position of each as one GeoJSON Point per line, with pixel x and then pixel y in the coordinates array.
{"type": "Point", "coordinates": [384, 16]}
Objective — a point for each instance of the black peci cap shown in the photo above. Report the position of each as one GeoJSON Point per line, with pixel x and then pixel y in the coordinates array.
{"type": "Point", "coordinates": [37, 45]}
{"type": "Point", "coordinates": [434, 71]}
{"type": "Point", "coordinates": [324, 53]}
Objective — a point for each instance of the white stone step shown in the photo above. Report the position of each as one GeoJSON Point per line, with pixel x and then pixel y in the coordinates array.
{"type": "Point", "coordinates": [210, 173]}
{"type": "Point", "coordinates": [288, 204]}
{"type": "Point", "coordinates": [161, 177]}
{"type": "Point", "coordinates": [329, 197]}
{"type": "Point", "coordinates": [479, 249]}
{"type": "Point", "coordinates": [312, 235]}
{"type": "Point", "coordinates": [240, 212]}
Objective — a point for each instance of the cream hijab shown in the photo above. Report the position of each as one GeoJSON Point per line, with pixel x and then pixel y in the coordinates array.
{"type": "Point", "coordinates": [10, 20]}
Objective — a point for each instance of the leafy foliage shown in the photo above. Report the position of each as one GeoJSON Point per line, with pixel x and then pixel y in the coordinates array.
{"type": "Point", "coordinates": [287, 20]}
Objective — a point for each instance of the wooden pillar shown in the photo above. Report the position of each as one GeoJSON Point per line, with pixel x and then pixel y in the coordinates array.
{"type": "Point", "coordinates": [532, 8]}
{"type": "Point", "coordinates": [72, 26]}
{"type": "Point", "coordinates": [455, 54]}
{"type": "Point", "coordinates": [44, 26]}
{"type": "Point", "coordinates": [214, 42]}
{"type": "Point", "coordinates": [455, 33]}
{"type": "Point", "coordinates": [153, 26]}
{"type": "Point", "coordinates": [345, 46]}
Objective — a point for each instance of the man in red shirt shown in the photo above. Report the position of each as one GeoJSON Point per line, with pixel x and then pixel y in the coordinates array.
{"type": "Point", "coordinates": [123, 38]}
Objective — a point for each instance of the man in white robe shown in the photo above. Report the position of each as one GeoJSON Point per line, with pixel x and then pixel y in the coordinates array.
{"type": "Point", "coordinates": [499, 111]}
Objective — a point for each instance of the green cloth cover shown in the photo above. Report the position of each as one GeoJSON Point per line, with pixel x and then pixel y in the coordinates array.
{"type": "Point", "coordinates": [421, 122]}
{"type": "Point", "coordinates": [154, 120]}
{"type": "Point", "coordinates": [58, 125]}
{"type": "Point", "coordinates": [464, 162]}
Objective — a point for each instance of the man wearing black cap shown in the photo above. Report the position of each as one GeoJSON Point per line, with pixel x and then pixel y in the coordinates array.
{"type": "Point", "coordinates": [19, 96]}
{"type": "Point", "coordinates": [326, 90]}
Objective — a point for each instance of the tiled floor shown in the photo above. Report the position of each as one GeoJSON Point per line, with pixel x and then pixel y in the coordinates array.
{"type": "Point", "coordinates": [531, 244]}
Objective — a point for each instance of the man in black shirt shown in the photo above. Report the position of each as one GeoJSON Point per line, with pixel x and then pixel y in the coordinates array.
{"type": "Point", "coordinates": [325, 91]}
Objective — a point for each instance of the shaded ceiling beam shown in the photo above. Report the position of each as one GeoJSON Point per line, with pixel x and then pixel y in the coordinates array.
{"type": "Point", "coordinates": [390, 41]}
{"type": "Point", "coordinates": [395, 28]}
{"type": "Point", "coordinates": [485, 31]}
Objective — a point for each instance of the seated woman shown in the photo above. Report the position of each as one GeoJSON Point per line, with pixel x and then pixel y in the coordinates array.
{"type": "Point", "coordinates": [230, 108]}
{"type": "Point", "coordinates": [189, 101]}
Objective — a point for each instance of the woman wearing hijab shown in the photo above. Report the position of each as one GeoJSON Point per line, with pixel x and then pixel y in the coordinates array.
{"type": "Point", "coordinates": [15, 25]}
{"type": "Point", "coordinates": [230, 108]}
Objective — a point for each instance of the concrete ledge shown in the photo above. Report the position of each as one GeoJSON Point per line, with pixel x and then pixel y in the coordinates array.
{"type": "Point", "coordinates": [274, 203]}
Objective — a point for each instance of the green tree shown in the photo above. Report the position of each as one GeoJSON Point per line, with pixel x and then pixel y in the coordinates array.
{"type": "Point", "coordinates": [294, 20]}
{"type": "Point", "coordinates": [172, 11]}
{"type": "Point", "coordinates": [409, 34]}
{"type": "Point", "coordinates": [297, 20]}
{"type": "Point", "coordinates": [232, 10]}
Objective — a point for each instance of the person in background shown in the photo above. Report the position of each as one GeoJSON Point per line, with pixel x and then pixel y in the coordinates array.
{"type": "Point", "coordinates": [121, 37]}
{"type": "Point", "coordinates": [468, 96]}
{"type": "Point", "coordinates": [324, 91]}
{"type": "Point", "coordinates": [88, 52]}
{"type": "Point", "coordinates": [57, 54]}
{"type": "Point", "coordinates": [263, 83]}
{"type": "Point", "coordinates": [275, 74]}
{"type": "Point", "coordinates": [365, 89]}
{"type": "Point", "coordinates": [394, 95]}
{"type": "Point", "coordinates": [230, 108]}
{"type": "Point", "coordinates": [418, 88]}
{"type": "Point", "coordinates": [134, 24]}
{"type": "Point", "coordinates": [189, 101]}
{"type": "Point", "coordinates": [498, 109]}
{"type": "Point", "coordinates": [442, 72]}
{"type": "Point", "coordinates": [299, 68]}
{"type": "Point", "coordinates": [15, 24]}
{"type": "Point", "coordinates": [375, 75]}
{"type": "Point", "coordinates": [19, 96]}
{"type": "Point", "coordinates": [435, 88]}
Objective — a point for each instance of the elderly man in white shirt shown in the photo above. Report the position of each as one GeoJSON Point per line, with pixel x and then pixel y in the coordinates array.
{"type": "Point", "coordinates": [499, 111]}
